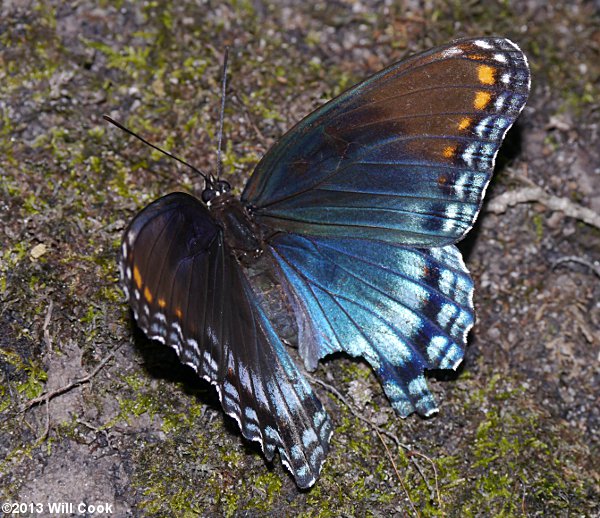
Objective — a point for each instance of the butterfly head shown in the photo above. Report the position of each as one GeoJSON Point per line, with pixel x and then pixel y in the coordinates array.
{"type": "Point", "coordinates": [213, 190]}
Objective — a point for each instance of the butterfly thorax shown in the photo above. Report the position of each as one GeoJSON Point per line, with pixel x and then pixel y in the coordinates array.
{"type": "Point", "coordinates": [240, 231]}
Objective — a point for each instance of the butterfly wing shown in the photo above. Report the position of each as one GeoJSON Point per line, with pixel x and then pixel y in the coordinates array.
{"type": "Point", "coordinates": [405, 156]}
{"type": "Point", "coordinates": [402, 309]}
{"type": "Point", "coordinates": [187, 290]}
{"type": "Point", "coordinates": [371, 191]}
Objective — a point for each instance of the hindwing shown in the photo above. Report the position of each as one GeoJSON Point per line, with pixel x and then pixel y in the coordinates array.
{"type": "Point", "coordinates": [188, 291]}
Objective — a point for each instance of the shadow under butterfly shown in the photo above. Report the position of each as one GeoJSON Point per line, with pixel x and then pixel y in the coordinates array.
{"type": "Point", "coordinates": [357, 209]}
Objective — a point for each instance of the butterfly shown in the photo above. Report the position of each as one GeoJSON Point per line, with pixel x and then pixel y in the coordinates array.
{"type": "Point", "coordinates": [357, 210]}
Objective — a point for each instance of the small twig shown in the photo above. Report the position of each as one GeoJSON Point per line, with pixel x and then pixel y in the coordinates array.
{"type": "Point", "coordinates": [390, 456]}
{"type": "Point", "coordinates": [47, 396]}
{"type": "Point", "coordinates": [594, 266]}
{"type": "Point", "coordinates": [47, 427]}
{"type": "Point", "coordinates": [500, 204]}
{"type": "Point", "coordinates": [337, 394]}
{"type": "Point", "coordinates": [47, 336]}
{"type": "Point", "coordinates": [379, 430]}
{"type": "Point", "coordinates": [46, 431]}
{"type": "Point", "coordinates": [435, 475]}
{"type": "Point", "coordinates": [97, 430]}
{"type": "Point", "coordinates": [432, 492]}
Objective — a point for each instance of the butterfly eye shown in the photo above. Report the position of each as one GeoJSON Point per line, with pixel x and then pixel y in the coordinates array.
{"type": "Point", "coordinates": [208, 195]}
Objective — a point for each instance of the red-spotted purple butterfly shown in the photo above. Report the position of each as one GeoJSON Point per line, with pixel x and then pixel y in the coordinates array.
{"type": "Point", "coordinates": [357, 209]}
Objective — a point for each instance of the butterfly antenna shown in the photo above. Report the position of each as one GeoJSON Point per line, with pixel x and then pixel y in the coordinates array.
{"type": "Point", "coordinates": [222, 116]}
{"type": "Point", "coordinates": [170, 155]}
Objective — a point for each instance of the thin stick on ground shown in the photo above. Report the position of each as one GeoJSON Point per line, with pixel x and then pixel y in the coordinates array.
{"type": "Point", "coordinates": [594, 266]}
{"type": "Point", "coordinates": [381, 431]}
{"type": "Point", "coordinates": [44, 435]}
{"type": "Point", "coordinates": [391, 457]}
{"type": "Point", "coordinates": [500, 204]}
{"type": "Point", "coordinates": [47, 336]}
{"type": "Point", "coordinates": [356, 414]}
{"type": "Point", "coordinates": [47, 396]}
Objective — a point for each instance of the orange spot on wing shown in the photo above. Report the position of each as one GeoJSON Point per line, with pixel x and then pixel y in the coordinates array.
{"type": "Point", "coordinates": [178, 312]}
{"type": "Point", "coordinates": [162, 303]}
{"type": "Point", "coordinates": [481, 100]}
{"type": "Point", "coordinates": [137, 277]}
{"type": "Point", "coordinates": [147, 295]}
{"type": "Point", "coordinates": [449, 151]}
{"type": "Point", "coordinates": [464, 123]}
{"type": "Point", "coordinates": [486, 74]}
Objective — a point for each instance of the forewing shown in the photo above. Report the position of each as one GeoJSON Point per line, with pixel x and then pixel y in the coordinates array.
{"type": "Point", "coordinates": [404, 310]}
{"type": "Point", "coordinates": [404, 156]}
{"type": "Point", "coordinates": [187, 290]}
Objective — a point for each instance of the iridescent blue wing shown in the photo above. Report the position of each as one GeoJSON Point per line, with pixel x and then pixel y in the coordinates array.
{"type": "Point", "coordinates": [366, 197]}
{"type": "Point", "coordinates": [187, 290]}
{"type": "Point", "coordinates": [404, 157]}
{"type": "Point", "coordinates": [402, 309]}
